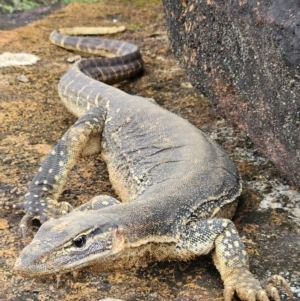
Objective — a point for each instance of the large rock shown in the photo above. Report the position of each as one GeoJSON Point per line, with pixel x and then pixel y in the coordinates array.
{"type": "Point", "coordinates": [245, 57]}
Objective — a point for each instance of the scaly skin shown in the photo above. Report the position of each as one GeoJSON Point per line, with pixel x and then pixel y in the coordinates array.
{"type": "Point", "coordinates": [178, 188]}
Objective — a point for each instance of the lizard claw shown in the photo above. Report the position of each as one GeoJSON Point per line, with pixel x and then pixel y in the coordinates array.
{"type": "Point", "coordinates": [228, 292]}
{"type": "Point", "coordinates": [23, 225]}
{"type": "Point", "coordinates": [248, 288]}
{"type": "Point", "coordinates": [64, 208]}
{"type": "Point", "coordinates": [271, 283]}
{"type": "Point", "coordinates": [272, 291]}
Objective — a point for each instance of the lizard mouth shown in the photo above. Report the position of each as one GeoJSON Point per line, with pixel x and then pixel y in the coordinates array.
{"type": "Point", "coordinates": [26, 269]}
{"type": "Point", "coordinates": [28, 266]}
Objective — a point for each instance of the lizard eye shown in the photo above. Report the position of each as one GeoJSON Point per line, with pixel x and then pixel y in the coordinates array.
{"type": "Point", "coordinates": [79, 241]}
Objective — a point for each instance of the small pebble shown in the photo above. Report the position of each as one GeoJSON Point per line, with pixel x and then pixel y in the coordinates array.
{"type": "Point", "coordinates": [7, 160]}
{"type": "Point", "coordinates": [23, 78]}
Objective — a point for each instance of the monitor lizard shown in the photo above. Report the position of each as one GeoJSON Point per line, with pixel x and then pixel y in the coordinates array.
{"type": "Point", "coordinates": [178, 188]}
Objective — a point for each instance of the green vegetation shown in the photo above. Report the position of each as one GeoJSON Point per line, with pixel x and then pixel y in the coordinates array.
{"type": "Point", "coordinates": [18, 5]}
{"type": "Point", "coordinates": [84, 1]}
{"type": "Point", "coordinates": [12, 5]}
{"type": "Point", "coordinates": [139, 3]}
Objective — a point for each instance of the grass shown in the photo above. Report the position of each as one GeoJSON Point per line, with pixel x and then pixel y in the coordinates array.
{"type": "Point", "coordinates": [12, 5]}
{"type": "Point", "coordinates": [18, 5]}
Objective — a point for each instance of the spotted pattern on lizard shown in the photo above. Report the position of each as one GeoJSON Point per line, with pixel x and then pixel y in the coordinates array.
{"type": "Point", "coordinates": [178, 189]}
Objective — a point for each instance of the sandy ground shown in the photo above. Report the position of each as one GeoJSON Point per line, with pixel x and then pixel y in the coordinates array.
{"type": "Point", "coordinates": [32, 119]}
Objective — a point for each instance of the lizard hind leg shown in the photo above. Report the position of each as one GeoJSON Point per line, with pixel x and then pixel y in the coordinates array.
{"type": "Point", "coordinates": [230, 257]}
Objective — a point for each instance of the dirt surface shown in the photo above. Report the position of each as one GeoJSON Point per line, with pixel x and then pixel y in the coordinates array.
{"type": "Point", "coordinates": [32, 119]}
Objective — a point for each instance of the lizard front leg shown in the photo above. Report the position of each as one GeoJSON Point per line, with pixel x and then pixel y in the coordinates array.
{"type": "Point", "coordinates": [41, 198]}
{"type": "Point", "coordinates": [230, 257]}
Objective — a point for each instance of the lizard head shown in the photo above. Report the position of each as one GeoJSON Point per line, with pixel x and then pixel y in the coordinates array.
{"type": "Point", "coordinates": [71, 242]}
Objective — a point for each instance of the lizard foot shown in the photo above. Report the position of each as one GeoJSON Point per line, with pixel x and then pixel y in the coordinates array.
{"type": "Point", "coordinates": [42, 211]}
{"type": "Point", "coordinates": [248, 288]}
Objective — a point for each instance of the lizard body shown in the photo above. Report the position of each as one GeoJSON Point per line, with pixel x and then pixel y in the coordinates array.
{"type": "Point", "coordinates": [178, 188]}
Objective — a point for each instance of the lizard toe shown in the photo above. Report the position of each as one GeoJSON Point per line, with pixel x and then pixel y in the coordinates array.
{"type": "Point", "coordinates": [262, 296]}
{"type": "Point", "coordinates": [228, 292]}
{"type": "Point", "coordinates": [271, 285]}
{"type": "Point", "coordinates": [281, 282]}
{"type": "Point", "coordinates": [248, 288]}
{"type": "Point", "coordinates": [247, 293]}
{"type": "Point", "coordinates": [272, 292]}
{"type": "Point", "coordinates": [24, 224]}
{"type": "Point", "coordinates": [64, 208]}
{"type": "Point", "coordinates": [44, 217]}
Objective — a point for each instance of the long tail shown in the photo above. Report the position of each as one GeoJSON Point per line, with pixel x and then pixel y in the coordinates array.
{"type": "Point", "coordinates": [80, 88]}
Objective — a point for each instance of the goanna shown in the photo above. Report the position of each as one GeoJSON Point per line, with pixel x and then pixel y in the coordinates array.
{"type": "Point", "coordinates": [178, 188]}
